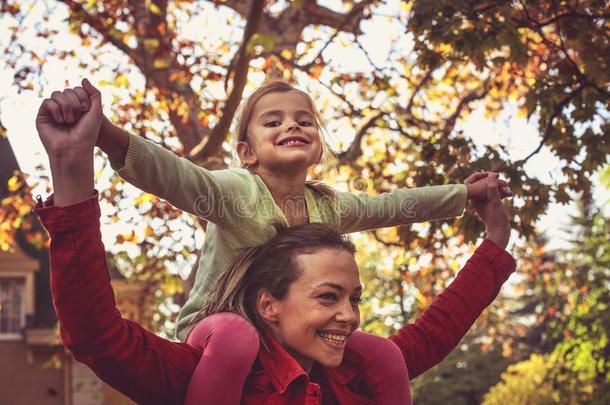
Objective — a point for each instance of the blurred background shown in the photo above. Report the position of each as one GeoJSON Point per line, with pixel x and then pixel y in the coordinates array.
{"type": "Point", "coordinates": [414, 93]}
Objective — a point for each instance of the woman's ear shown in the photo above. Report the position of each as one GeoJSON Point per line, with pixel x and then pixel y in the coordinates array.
{"type": "Point", "coordinates": [267, 306]}
{"type": "Point", "coordinates": [245, 154]}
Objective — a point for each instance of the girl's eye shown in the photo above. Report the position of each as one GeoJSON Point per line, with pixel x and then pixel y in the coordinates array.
{"type": "Point", "coordinates": [305, 123]}
{"type": "Point", "coordinates": [272, 124]}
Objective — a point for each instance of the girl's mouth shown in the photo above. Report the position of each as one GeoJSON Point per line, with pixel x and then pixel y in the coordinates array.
{"type": "Point", "coordinates": [294, 141]}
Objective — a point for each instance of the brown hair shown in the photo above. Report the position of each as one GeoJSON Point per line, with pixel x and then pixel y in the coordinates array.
{"type": "Point", "coordinates": [271, 267]}
{"type": "Point", "coordinates": [244, 116]}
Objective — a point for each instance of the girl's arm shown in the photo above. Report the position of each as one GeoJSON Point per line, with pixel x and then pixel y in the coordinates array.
{"type": "Point", "coordinates": [143, 366]}
{"type": "Point", "coordinates": [208, 194]}
{"type": "Point", "coordinates": [213, 195]}
{"type": "Point", "coordinates": [359, 212]}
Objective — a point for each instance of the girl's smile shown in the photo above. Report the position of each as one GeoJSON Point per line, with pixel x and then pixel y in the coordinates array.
{"type": "Point", "coordinates": [282, 135]}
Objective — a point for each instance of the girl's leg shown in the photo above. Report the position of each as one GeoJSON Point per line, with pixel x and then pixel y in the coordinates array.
{"type": "Point", "coordinates": [388, 371]}
{"type": "Point", "coordinates": [230, 345]}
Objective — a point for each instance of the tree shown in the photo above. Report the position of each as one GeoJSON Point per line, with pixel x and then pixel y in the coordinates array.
{"type": "Point", "coordinates": [570, 363]}
{"type": "Point", "coordinates": [401, 112]}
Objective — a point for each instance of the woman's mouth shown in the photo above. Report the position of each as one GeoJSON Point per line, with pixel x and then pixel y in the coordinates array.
{"type": "Point", "coordinates": [335, 340]}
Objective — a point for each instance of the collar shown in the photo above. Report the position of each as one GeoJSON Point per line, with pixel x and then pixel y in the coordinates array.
{"type": "Point", "coordinates": [283, 369]}
{"type": "Point", "coordinates": [278, 364]}
{"type": "Point", "coordinates": [352, 366]}
{"type": "Point", "coordinates": [312, 207]}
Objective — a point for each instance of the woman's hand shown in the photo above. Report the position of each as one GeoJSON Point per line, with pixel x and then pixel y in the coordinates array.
{"type": "Point", "coordinates": [69, 122]}
{"type": "Point", "coordinates": [492, 212]}
{"type": "Point", "coordinates": [68, 125]}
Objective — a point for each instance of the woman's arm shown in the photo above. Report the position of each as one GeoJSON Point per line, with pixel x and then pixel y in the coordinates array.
{"type": "Point", "coordinates": [143, 366]}
{"type": "Point", "coordinates": [433, 335]}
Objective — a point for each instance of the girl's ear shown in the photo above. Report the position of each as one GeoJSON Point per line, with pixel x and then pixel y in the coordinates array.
{"type": "Point", "coordinates": [267, 306]}
{"type": "Point", "coordinates": [245, 154]}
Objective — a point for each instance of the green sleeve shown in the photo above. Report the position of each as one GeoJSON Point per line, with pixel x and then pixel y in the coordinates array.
{"type": "Point", "coordinates": [205, 193]}
{"type": "Point", "coordinates": [360, 212]}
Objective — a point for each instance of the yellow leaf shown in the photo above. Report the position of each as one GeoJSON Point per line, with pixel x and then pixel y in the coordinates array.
{"type": "Point", "coordinates": [150, 44]}
{"type": "Point", "coordinates": [14, 184]}
{"type": "Point", "coordinates": [144, 198]}
{"type": "Point", "coordinates": [161, 63]}
{"type": "Point", "coordinates": [154, 9]}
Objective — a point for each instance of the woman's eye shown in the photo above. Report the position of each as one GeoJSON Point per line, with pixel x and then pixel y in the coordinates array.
{"type": "Point", "coordinates": [328, 297]}
{"type": "Point", "coordinates": [356, 300]}
{"type": "Point", "coordinates": [272, 124]}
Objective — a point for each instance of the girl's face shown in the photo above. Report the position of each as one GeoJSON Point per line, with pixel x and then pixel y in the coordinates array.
{"type": "Point", "coordinates": [320, 310]}
{"type": "Point", "coordinates": [282, 135]}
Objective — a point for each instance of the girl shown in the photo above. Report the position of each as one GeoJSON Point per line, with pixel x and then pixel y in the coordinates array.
{"type": "Point", "coordinates": [278, 141]}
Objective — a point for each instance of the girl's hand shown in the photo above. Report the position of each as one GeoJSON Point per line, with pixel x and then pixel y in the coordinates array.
{"type": "Point", "coordinates": [476, 184]}
{"type": "Point", "coordinates": [492, 212]}
{"type": "Point", "coordinates": [69, 122]}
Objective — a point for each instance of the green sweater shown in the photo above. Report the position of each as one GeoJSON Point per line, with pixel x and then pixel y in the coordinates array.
{"type": "Point", "coordinates": [240, 209]}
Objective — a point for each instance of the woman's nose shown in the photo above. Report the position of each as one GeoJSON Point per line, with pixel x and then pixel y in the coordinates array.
{"type": "Point", "coordinates": [348, 313]}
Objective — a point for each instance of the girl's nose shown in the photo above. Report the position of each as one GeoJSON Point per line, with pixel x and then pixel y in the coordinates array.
{"type": "Point", "coordinates": [291, 125]}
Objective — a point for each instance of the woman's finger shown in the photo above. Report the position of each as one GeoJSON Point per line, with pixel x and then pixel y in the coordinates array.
{"type": "Point", "coordinates": [75, 103]}
{"type": "Point", "coordinates": [50, 107]}
{"type": "Point", "coordinates": [65, 106]}
{"type": "Point", "coordinates": [83, 97]}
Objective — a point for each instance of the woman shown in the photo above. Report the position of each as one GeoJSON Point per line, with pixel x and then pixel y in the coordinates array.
{"type": "Point", "coordinates": [301, 290]}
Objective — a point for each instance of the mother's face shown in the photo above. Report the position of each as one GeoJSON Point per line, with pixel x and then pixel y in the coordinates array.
{"type": "Point", "coordinates": [320, 310]}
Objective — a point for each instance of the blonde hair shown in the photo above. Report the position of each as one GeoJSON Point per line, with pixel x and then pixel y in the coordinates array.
{"type": "Point", "coordinates": [328, 158]}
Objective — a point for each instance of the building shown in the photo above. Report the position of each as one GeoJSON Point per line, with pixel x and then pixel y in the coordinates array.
{"type": "Point", "coordinates": [35, 369]}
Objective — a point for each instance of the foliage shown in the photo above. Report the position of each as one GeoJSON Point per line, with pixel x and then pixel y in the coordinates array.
{"type": "Point", "coordinates": [576, 322]}
{"type": "Point", "coordinates": [463, 377]}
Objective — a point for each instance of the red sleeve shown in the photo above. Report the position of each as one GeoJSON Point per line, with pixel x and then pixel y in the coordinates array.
{"type": "Point", "coordinates": [433, 335]}
{"type": "Point", "coordinates": [143, 366]}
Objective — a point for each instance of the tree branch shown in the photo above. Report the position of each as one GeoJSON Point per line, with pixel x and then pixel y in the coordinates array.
{"type": "Point", "coordinates": [549, 125]}
{"type": "Point", "coordinates": [96, 22]}
{"type": "Point", "coordinates": [355, 149]}
{"type": "Point", "coordinates": [210, 144]}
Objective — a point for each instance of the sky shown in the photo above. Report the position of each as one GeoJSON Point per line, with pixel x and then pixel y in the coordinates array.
{"type": "Point", "coordinates": [521, 136]}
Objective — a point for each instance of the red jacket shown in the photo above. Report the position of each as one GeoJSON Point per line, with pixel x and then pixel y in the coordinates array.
{"type": "Point", "coordinates": [153, 370]}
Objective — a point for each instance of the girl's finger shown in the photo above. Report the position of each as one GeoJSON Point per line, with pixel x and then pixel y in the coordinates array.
{"type": "Point", "coordinates": [475, 177]}
{"type": "Point", "coordinates": [85, 103]}
{"type": "Point", "coordinates": [493, 192]}
{"type": "Point", "coordinates": [65, 106]}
